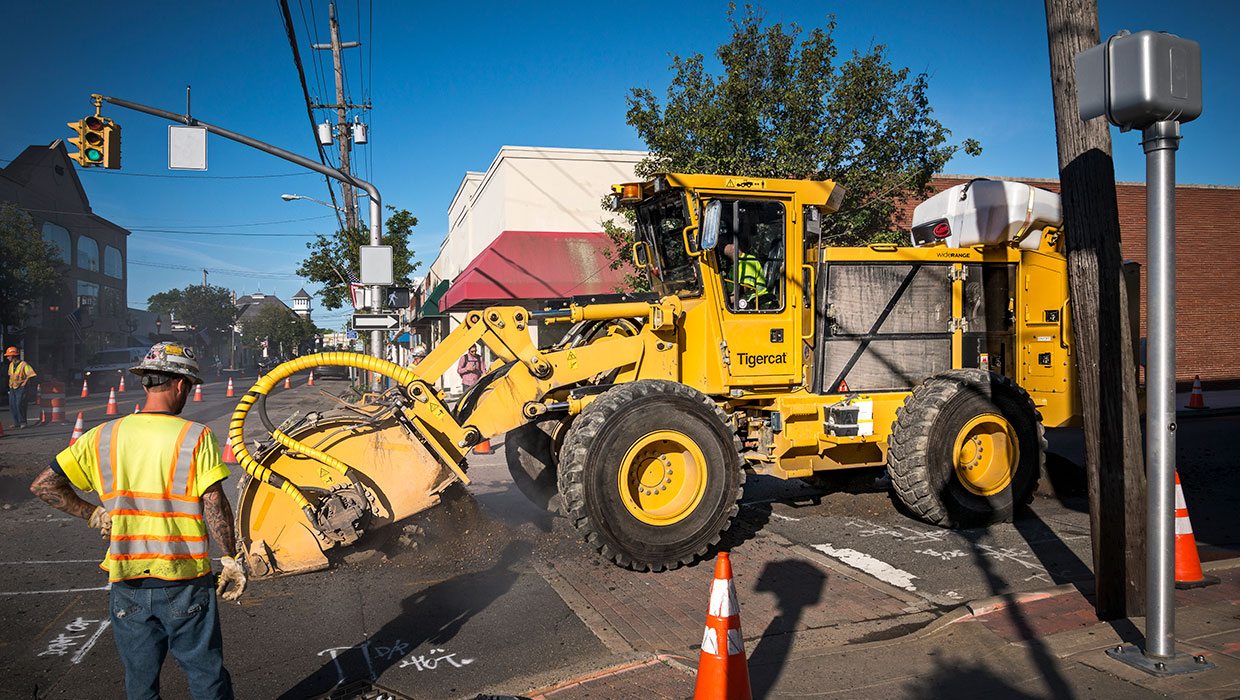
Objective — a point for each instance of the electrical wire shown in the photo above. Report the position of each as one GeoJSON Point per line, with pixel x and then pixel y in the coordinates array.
{"type": "Point", "coordinates": [175, 177]}
{"type": "Point", "coordinates": [256, 223]}
{"type": "Point", "coordinates": [218, 271]}
{"type": "Point", "coordinates": [223, 233]}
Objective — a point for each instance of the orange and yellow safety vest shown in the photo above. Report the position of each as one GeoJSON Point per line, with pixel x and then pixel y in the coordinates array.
{"type": "Point", "coordinates": [151, 470]}
{"type": "Point", "coordinates": [19, 372]}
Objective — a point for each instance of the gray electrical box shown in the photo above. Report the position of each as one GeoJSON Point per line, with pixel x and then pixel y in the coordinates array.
{"type": "Point", "coordinates": [1136, 80]}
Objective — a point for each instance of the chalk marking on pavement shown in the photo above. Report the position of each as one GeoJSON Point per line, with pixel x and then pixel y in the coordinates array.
{"type": "Point", "coordinates": [60, 590]}
{"type": "Point", "coordinates": [784, 517]}
{"type": "Point", "coordinates": [877, 568]}
{"type": "Point", "coordinates": [77, 658]}
{"type": "Point", "coordinates": [58, 616]}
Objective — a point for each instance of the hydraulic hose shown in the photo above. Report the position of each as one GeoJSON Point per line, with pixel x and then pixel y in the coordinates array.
{"type": "Point", "coordinates": [259, 392]}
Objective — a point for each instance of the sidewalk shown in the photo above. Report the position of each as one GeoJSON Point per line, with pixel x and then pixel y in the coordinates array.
{"type": "Point", "coordinates": [1044, 645]}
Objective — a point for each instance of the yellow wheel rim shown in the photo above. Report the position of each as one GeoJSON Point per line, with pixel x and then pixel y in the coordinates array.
{"type": "Point", "coordinates": [662, 478]}
{"type": "Point", "coordinates": [986, 454]}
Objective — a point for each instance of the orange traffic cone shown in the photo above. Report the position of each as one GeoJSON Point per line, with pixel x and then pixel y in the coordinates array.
{"type": "Point", "coordinates": [111, 403]}
{"type": "Point", "coordinates": [1197, 399]}
{"type": "Point", "coordinates": [483, 448]}
{"type": "Point", "coordinates": [137, 408]}
{"type": "Point", "coordinates": [288, 383]}
{"type": "Point", "coordinates": [229, 456]}
{"type": "Point", "coordinates": [42, 415]}
{"type": "Point", "coordinates": [121, 388]}
{"type": "Point", "coordinates": [230, 389]}
{"type": "Point", "coordinates": [198, 392]}
{"type": "Point", "coordinates": [1187, 564]}
{"type": "Point", "coordinates": [78, 429]}
{"type": "Point", "coordinates": [311, 381]}
{"type": "Point", "coordinates": [85, 393]}
{"type": "Point", "coordinates": [722, 671]}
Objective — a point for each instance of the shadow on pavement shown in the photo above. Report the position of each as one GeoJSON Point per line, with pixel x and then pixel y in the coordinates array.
{"type": "Point", "coordinates": [432, 616]}
{"type": "Point", "coordinates": [956, 682]}
{"type": "Point", "coordinates": [797, 585]}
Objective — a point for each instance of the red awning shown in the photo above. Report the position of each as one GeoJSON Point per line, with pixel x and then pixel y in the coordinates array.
{"type": "Point", "coordinates": [531, 266]}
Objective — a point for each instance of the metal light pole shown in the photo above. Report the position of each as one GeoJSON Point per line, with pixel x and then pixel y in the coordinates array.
{"type": "Point", "coordinates": [1152, 81]}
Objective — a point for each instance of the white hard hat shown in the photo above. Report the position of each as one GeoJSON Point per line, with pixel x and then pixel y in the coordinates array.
{"type": "Point", "coordinates": [169, 358]}
{"type": "Point", "coordinates": [419, 351]}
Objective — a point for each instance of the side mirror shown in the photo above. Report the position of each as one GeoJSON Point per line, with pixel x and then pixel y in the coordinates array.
{"type": "Point", "coordinates": [710, 224]}
{"type": "Point", "coordinates": [691, 241]}
{"type": "Point", "coordinates": [641, 255]}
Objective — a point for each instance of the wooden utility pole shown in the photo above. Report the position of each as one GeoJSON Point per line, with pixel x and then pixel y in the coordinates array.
{"type": "Point", "coordinates": [343, 131]}
{"type": "Point", "coordinates": [1103, 340]}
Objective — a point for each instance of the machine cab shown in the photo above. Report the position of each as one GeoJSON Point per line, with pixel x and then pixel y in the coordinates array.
{"type": "Point", "coordinates": [735, 244]}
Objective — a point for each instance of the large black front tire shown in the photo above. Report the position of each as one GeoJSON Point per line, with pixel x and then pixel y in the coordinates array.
{"type": "Point", "coordinates": [966, 449]}
{"type": "Point", "coordinates": [651, 474]}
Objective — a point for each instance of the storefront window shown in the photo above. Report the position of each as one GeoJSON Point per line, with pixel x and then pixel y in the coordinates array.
{"type": "Point", "coordinates": [58, 236]}
{"type": "Point", "coordinates": [110, 302]}
{"type": "Point", "coordinates": [113, 266]}
{"type": "Point", "coordinates": [88, 254]}
{"type": "Point", "coordinates": [88, 298]}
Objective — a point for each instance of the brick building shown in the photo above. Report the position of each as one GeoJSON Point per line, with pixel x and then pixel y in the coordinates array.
{"type": "Point", "coordinates": [1207, 302]}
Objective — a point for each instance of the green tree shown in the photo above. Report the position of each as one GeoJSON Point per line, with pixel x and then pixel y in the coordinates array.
{"type": "Point", "coordinates": [283, 330]}
{"type": "Point", "coordinates": [333, 257]}
{"type": "Point", "coordinates": [784, 106]}
{"type": "Point", "coordinates": [205, 308]}
{"type": "Point", "coordinates": [32, 268]}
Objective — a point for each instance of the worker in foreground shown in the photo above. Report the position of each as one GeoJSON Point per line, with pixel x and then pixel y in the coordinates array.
{"type": "Point", "coordinates": [160, 478]}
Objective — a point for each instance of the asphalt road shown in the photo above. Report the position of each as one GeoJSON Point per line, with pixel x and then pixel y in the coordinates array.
{"type": "Point", "coordinates": [459, 600]}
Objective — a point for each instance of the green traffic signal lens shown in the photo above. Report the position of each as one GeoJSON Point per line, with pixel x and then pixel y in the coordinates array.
{"type": "Point", "coordinates": [94, 155]}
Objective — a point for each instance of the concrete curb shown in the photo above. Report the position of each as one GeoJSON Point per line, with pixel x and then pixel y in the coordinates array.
{"type": "Point", "coordinates": [669, 660]}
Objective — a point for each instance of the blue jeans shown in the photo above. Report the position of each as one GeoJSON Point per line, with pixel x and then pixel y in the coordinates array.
{"type": "Point", "coordinates": [148, 622]}
{"type": "Point", "coordinates": [17, 400]}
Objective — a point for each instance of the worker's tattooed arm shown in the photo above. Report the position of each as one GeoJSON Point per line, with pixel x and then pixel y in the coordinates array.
{"type": "Point", "coordinates": [219, 517]}
{"type": "Point", "coordinates": [57, 492]}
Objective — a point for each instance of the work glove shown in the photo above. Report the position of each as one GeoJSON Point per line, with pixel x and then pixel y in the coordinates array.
{"type": "Point", "coordinates": [231, 574]}
{"type": "Point", "coordinates": [101, 519]}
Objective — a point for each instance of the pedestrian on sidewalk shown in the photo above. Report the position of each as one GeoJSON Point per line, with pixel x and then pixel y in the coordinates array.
{"type": "Point", "coordinates": [161, 481]}
{"type": "Point", "coordinates": [20, 374]}
{"type": "Point", "coordinates": [469, 367]}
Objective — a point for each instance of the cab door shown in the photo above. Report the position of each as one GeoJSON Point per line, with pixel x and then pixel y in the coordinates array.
{"type": "Point", "coordinates": [760, 343]}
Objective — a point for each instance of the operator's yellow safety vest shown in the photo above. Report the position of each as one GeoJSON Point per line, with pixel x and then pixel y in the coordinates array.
{"type": "Point", "coordinates": [752, 279]}
{"type": "Point", "coordinates": [151, 470]}
{"type": "Point", "coordinates": [19, 372]}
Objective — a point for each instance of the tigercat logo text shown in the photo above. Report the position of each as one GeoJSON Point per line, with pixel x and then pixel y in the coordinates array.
{"type": "Point", "coordinates": [752, 360]}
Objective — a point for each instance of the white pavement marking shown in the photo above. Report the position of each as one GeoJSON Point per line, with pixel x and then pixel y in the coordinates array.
{"type": "Point", "coordinates": [59, 590]}
{"type": "Point", "coordinates": [51, 561]}
{"type": "Point", "coordinates": [880, 570]}
{"type": "Point", "coordinates": [77, 658]}
{"type": "Point", "coordinates": [785, 517]}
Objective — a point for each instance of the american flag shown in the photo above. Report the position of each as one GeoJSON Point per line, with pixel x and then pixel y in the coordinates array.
{"type": "Point", "coordinates": [75, 320]}
{"type": "Point", "coordinates": [356, 289]}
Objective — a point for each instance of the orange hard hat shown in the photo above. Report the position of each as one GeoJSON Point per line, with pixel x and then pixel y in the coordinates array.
{"type": "Point", "coordinates": [12, 351]}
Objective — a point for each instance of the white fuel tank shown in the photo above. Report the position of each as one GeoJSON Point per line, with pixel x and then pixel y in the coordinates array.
{"type": "Point", "coordinates": [986, 212]}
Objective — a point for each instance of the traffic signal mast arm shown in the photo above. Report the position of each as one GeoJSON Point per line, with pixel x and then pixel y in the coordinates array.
{"type": "Point", "coordinates": [376, 203]}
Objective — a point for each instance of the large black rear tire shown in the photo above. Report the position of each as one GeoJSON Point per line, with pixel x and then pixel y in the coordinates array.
{"type": "Point", "coordinates": [651, 474]}
{"type": "Point", "coordinates": [966, 449]}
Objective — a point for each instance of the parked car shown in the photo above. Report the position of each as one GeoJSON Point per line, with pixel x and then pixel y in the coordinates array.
{"type": "Point", "coordinates": [105, 369]}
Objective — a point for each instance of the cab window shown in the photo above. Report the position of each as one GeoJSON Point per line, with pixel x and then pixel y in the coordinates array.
{"type": "Point", "coordinates": [751, 250]}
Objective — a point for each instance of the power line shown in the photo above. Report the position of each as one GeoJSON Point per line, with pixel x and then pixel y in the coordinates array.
{"type": "Point", "coordinates": [225, 233]}
{"type": "Point", "coordinates": [218, 271]}
{"type": "Point", "coordinates": [256, 223]}
{"type": "Point", "coordinates": [301, 74]}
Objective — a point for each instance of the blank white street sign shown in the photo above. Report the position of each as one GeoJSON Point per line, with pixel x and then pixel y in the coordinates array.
{"type": "Point", "coordinates": [187, 147]}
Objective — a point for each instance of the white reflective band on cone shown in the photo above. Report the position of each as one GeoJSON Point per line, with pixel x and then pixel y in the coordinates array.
{"type": "Point", "coordinates": [1179, 498]}
{"type": "Point", "coordinates": [1183, 526]}
{"type": "Point", "coordinates": [722, 598]}
{"type": "Point", "coordinates": [710, 642]}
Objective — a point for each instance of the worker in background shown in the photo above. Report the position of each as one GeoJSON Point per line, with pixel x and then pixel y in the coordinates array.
{"type": "Point", "coordinates": [161, 479]}
{"type": "Point", "coordinates": [20, 374]}
{"type": "Point", "coordinates": [469, 367]}
{"type": "Point", "coordinates": [419, 354]}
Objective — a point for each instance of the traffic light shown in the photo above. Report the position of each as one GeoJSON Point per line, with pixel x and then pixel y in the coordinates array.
{"type": "Point", "coordinates": [98, 141]}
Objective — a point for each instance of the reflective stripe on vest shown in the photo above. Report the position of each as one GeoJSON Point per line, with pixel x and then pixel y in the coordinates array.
{"type": "Point", "coordinates": [140, 545]}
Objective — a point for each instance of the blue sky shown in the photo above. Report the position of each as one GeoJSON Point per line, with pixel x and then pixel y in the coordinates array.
{"type": "Point", "coordinates": [452, 82]}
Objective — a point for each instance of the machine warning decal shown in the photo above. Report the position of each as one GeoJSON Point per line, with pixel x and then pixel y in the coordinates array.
{"type": "Point", "coordinates": [746, 183]}
{"type": "Point", "coordinates": [843, 387]}
{"type": "Point", "coordinates": [572, 359]}
{"type": "Point", "coordinates": [752, 360]}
